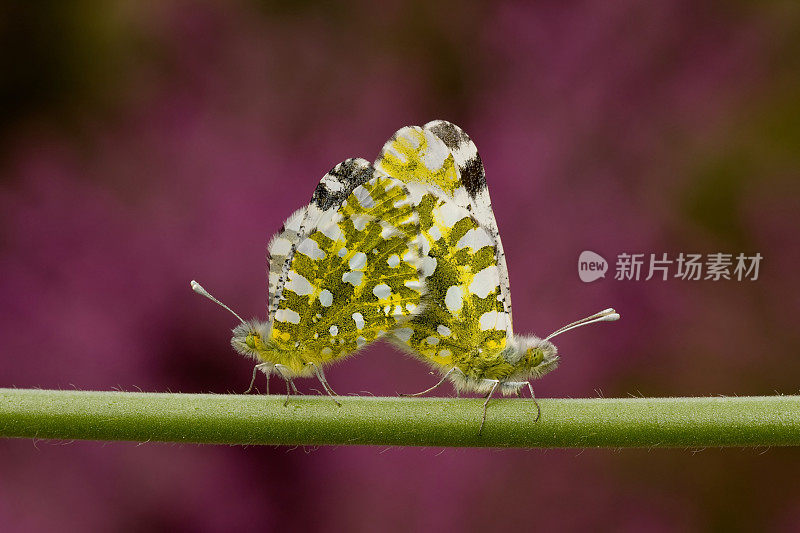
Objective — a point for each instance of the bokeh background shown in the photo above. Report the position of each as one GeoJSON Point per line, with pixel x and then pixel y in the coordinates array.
{"type": "Point", "coordinates": [143, 144]}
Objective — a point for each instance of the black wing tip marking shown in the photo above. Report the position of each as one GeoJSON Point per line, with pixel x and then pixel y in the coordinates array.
{"type": "Point", "coordinates": [452, 135]}
{"type": "Point", "coordinates": [348, 175]}
{"type": "Point", "coordinates": [473, 176]}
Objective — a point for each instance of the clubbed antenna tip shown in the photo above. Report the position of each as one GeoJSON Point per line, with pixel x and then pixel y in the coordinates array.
{"type": "Point", "coordinates": [196, 287]}
{"type": "Point", "coordinates": [606, 315]}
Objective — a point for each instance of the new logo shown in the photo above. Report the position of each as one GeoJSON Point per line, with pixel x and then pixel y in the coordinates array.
{"type": "Point", "coordinates": [591, 266]}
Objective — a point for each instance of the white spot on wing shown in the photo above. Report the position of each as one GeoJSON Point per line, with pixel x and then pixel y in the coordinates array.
{"type": "Point", "coordinates": [388, 231]}
{"type": "Point", "coordinates": [332, 183]}
{"type": "Point", "coordinates": [394, 153]}
{"type": "Point", "coordinates": [502, 321]}
{"type": "Point", "coordinates": [449, 213]}
{"type": "Point", "coordinates": [414, 285]}
{"type": "Point", "coordinates": [435, 154]}
{"type": "Point", "coordinates": [358, 318]}
{"type": "Point", "coordinates": [333, 330]}
{"type": "Point", "coordinates": [428, 266]}
{"type": "Point", "coordinates": [453, 299]}
{"type": "Point", "coordinates": [461, 196]}
{"type": "Point", "coordinates": [424, 245]}
{"type": "Point", "coordinates": [280, 246]}
{"type": "Point", "coordinates": [402, 202]}
{"type": "Point", "coordinates": [325, 298]}
{"type": "Point", "coordinates": [492, 320]}
{"type": "Point", "coordinates": [476, 238]}
{"type": "Point", "coordinates": [364, 197]}
{"type": "Point", "coordinates": [310, 248]}
{"type": "Point", "coordinates": [393, 260]}
{"type": "Point", "coordinates": [464, 152]}
{"type": "Point", "coordinates": [418, 191]}
{"type": "Point", "coordinates": [382, 291]}
{"type": "Point", "coordinates": [358, 261]}
{"type": "Point", "coordinates": [485, 282]}
{"type": "Point", "coordinates": [331, 231]}
{"type": "Point", "coordinates": [360, 222]}
{"type": "Point", "coordinates": [298, 284]}
{"type": "Point", "coordinates": [414, 135]}
{"type": "Point", "coordinates": [287, 315]}
{"type": "Point", "coordinates": [443, 330]}
{"type": "Point", "coordinates": [353, 278]}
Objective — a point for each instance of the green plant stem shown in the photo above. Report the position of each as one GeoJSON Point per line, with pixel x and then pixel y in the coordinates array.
{"type": "Point", "coordinates": [314, 420]}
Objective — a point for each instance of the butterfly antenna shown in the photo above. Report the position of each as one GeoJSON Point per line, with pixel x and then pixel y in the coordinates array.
{"type": "Point", "coordinates": [606, 315]}
{"type": "Point", "coordinates": [196, 287]}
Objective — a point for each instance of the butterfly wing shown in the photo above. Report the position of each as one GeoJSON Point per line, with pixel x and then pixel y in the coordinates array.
{"type": "Point", "coordinates": [463, 322]}
{"type": "Point", "coordinates": [441, 155]}
{"type": "Point", "coordinates": [280, 250]}
{"type": "Point", "coordinates": [329, 194]}
{"type": "Point", "coordinates": [353, 277]}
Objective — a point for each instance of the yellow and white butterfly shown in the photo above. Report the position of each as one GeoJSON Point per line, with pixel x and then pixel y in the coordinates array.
{"type": "Point", "coordinates": [464, 328]}
{"type": "Point", "coordinates": [343, 271]}
{"type": "Point", "coordinates": [438, 283]}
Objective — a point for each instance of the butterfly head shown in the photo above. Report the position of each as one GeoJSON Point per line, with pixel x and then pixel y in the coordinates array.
{"type": "Point", "coordinates": [535, 357]}
{"type": "Point", "coordinates": [251, 338]}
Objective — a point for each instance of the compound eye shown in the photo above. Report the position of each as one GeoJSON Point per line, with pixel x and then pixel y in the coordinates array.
{"type": "Point", "coordinates": [250, 341]}
{"type": "Point", "coordinates": [536, 355]}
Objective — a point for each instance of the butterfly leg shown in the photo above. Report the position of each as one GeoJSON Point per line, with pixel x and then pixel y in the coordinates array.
{"type": "Point", "coordinates": [519, 385]}
{"type": "Point", "coordinates": [488, 397]}
{"type": "Point", "coordinates": [255, 373]}
{"type": "Point", "coordinates": [321, 376]}
{"type": "Point", "coordinates": [290, 386]}
{"type": "Point", "coordinates": [538, 409]}
{"type": "Point", "coordinates": [430, 389]}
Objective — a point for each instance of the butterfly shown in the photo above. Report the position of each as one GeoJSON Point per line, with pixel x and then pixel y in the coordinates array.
{"type": "Point", "coordinates": [343, 271]}
{"type": "Point", "coordinates": [464, 327]}
{"type": "Point", "coordinates": [456, 313]}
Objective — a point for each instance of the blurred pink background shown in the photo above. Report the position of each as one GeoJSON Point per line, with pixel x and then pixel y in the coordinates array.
{"type": "Point", "coordinates": [146, 144]}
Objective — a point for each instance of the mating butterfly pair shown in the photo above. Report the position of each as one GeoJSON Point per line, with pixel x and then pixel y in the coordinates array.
{"type": "Point", "coordinates": [407, 249]}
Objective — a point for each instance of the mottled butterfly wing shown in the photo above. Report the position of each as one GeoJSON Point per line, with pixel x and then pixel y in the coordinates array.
{"type": "Point", "coordinates": [279, 252]}
{"type": "Point", "coordinates": [441, 155]}
{"type": "Point", "coordinates": [354, 276]}
{"type": "Point", "coordinates": [329, 194]}
{"type": "Point", "coordinates": [415, 154]}
{"type": "Point", "coordinates": [463, 322]}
